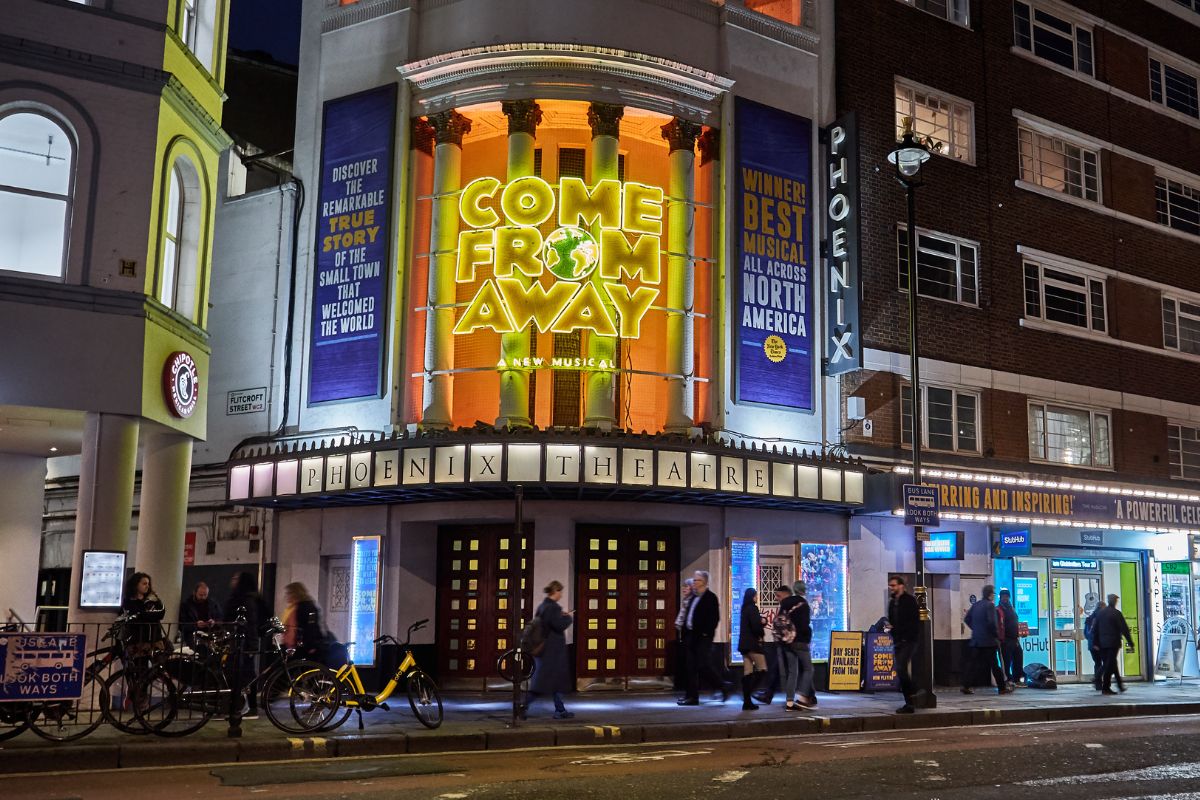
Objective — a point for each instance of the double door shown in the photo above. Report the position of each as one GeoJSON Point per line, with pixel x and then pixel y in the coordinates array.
{"type": "Point", "coordinates": [627, 598]}
{"type": "Point", "coordinates": [1073, 598]}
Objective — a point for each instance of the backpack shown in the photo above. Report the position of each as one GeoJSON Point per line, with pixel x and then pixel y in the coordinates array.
{"type": "Point", "coordinates": [783, 627]}
{"type": "Point", "coordinates": [533, 637]}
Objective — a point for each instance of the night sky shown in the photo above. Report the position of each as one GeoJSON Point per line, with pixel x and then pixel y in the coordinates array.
{"type": "Point", "coordinates": [272, 26]}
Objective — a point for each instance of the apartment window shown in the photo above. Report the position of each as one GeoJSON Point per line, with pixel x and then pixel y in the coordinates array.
{"type": "Point", "coordinates": [1181, 325]}
{"type": "Point", "coordinates": [1058, 40]}
{"type": "Point", "coordinates": [1058, 165]}
{"type": "Point", "coordinates": [956, 11]}
{"type": "Point", "coordinates": [1079, 437]}
{"type": "Point", "coordinates": [180, 245]}
{"type": "Point", "coordinates": [950, 421]}
{"type": "Point", "coordinates": [1065, 297]}
{"type": "Point", "coordinates": [1178, 205]}
{"type": "Point", "coordinates": [947, 268]}
{"type": "Point", "coordinates": [37, 162]}
{"type": "Point", "coordinates": [1173, 88]}
{"type": "Point", "coordinates": [941, 118]}
{"type": "Point", "coordinates": [1183, 444]}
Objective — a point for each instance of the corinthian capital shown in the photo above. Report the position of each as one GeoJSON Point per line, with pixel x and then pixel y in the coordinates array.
{"type": "Point", "coordinates": [681, 134]}
{"type": "Point", "coordinates": [605, 119]}
{"type": "Point", "coordinates": [449, 127]}
{"type": "Point", "coordinates": [523, 116]}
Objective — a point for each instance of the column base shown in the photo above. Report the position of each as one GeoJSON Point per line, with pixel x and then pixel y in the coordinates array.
{"type": "Point", "coordinates": [600, 423]}
{"type": "Point", "coordinates": [513, 423]}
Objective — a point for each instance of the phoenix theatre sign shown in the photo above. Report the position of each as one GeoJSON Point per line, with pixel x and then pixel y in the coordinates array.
{"type": "Point", "coordinates": [603, 234]}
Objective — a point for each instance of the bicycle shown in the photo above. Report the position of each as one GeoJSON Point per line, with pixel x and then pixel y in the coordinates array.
{"type": "Point", "coordinates": [423, 695]}
{"type": "Point", "coordinates": [296, 694]}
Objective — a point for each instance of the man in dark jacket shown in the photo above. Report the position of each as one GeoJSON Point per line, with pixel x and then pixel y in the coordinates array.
{"type": "Point", "coordinates": [1111, 627]}
{"type": "Point", "coordinates": [904, 623]}
{"type": "Point", "coordinates": [1011, 656]}
{"type": "Point", "coordinates": [198, 612]}
{"type": "Point", "coordinates": [985, 642]}
{"type": "Point", "coordinates": [699, 627]}
{"type": "Point", "coordinates": [1089, 633]}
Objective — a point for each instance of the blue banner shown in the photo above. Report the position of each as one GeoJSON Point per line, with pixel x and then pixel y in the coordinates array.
{"type": "Point", "coordinates": [743, 574]}
{"type": "Point", "coordinates": [773, 277]}
{"type": "Point", "coordinates": [823, 570]}
{"type": "Point", "coordinates": [944, 546]}
{"type": "Point", "coordinates": [41, 666]}
{"type": "Point", "coordinates": [354, 209]}
{"type": "Point", "coordinates": [364, 599]}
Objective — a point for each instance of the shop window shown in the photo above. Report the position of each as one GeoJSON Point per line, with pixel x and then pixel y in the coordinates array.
{"type": "Point", "coordinates": [947, 267]}
{"type": "Point", "coordinates": [1061, 166]}
{"type": "Point", "coordinates": [950, 422]}
{"type": "Point", "coordinates": [1184, 448]}
{"type": "Point", "coordinates": [1078, 437]}
{"type": "Point", "coordinates": [37, 165]}
{"type": "Point", "coordinates": [1052, 37]}
{"type": "Point", "coordinates": [1173, 88]}
{"type": "Point", "coordinates": [956, 11]}
{"type": "Point", "coordinates": [939, 118]}
{"type": "Point", "coordinates": [1178, 205]}
{"type": "Point", "coordinates": [179, 266]}
{"type": "Point", "coordinates": [1181, 325]}
{"type": "Point", "coordinates": [1065, 296]}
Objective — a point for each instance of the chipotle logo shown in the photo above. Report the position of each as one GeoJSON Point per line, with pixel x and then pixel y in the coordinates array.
{"type": "Point", "coordinates": [181, 382]}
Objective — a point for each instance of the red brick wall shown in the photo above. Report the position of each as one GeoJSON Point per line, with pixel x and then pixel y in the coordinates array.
{"type": "Point", "coordinates": [1129, 186]}
{"type": "Point", "coordinates": [1135, 313]}
{"type": "Point", "coordinates": [1125, 64]}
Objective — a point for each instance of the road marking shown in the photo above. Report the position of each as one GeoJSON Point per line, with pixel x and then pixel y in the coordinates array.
{"type": "Point", "coordinates": [297, 744]}
{"type": "Point", "coordinates": [1162, 772]}
{"type": "Point", "coordinates": [1093, 745]}
{"type": "Point", "coordinates": [870, 742]}
{"type": "Point", "coordinates": [733, 776]}
{"type": "Point", "coordinates": [920, 763]}
{"type": "Point", "coordinates": [634, 758]}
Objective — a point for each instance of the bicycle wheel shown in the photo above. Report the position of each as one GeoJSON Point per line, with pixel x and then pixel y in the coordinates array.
{"type": "Point", "coordinates": [201, 692]}
{"type": "Point", "coordinates": [155, 700]}
{"type": "Point", "coordinates": [425, 699]}
{"type": "Point", "coordinates": [119, 712]}
{"type": "Point", "coordinates": [346, 697]}
{"type": "Point", "coordinates": [315, 699]}
{"type": "Point", "coordinates": [68, 720]}
{"type": "Point", "coordinates": [14, 719]}
{"type": "Point", "coordinates": [278, 703]}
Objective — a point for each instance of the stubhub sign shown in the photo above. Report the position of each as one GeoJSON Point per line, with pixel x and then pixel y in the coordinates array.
{"type": "Point", "coordinates": [1014, 543]}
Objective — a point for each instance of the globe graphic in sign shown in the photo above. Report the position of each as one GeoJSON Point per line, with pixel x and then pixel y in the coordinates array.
{"type": "Point", "coordinates": [571, 253]}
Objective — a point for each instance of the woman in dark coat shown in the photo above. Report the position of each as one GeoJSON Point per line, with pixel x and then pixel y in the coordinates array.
{"type": "Point", "coordinates": [144, 633]}
{"type": "Point", "coordinates": [302, 623]}
{"type": "Point", "coordinates": [750, 644]}
{"type": "Point", "coordinates": [245, 600]}
{"type": "Point", "coordinates": [551, 672]}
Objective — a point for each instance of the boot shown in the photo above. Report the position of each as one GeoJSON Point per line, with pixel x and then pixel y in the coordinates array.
{"type": "Point", "coordinates": [747, 687]}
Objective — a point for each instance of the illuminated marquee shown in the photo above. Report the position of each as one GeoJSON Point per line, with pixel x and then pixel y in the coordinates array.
{"type": "Point", "coordinates": [604, 233]}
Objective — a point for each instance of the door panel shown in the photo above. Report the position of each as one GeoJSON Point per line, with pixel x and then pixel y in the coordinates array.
{"type": "Point", "coordinates": [627, 598]}
{"type": "Point", "coordinates": [335, 596]}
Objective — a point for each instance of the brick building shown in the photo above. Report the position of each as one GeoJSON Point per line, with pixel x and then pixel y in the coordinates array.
{"type": "Point", "coordinates": [1058, 230]}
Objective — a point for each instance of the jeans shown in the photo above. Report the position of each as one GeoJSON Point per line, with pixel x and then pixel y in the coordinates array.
{"type": "Point", "coordinates": [904, 655]}
{"type": "Point", "coordinates": [988, 657]}
{"type": "Point", "coordinates": [1013, 658]}
{"type": "Point", "coordinates": [1111, 654]}
{"type": "Point", "coordinates": [804, 662]}
{"type": "Point", "coordinates": [791, 672]}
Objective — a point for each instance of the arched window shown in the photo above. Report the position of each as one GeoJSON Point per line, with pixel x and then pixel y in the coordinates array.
{"type": "Point", "coordinates": [180, 238]}
{"type": "Point", "coordinates": [37, 163]}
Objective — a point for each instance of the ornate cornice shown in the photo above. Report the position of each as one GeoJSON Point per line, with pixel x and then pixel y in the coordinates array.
{"type": "Point", "coordinates": [449, 127]}
{"type": "Point", "coordinates": [681, 134]}
{"type": "Point", "coordinates": [523, 116]}
{"type": "Point", "coordinates": [605, 119]}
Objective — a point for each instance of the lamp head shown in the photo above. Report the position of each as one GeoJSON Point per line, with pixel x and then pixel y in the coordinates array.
{"type": "Point", "coordinates": [909, 154]}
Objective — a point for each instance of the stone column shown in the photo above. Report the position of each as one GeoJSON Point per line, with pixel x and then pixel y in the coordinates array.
{"type": "Point", "coordinates": [105, 512]}
{"type": "Point", "coordinates": [448, 130]}
{"type": "Point", "coordinates": [22, 494]}
{"type": "Point", "coordinates": [523, 119]}
{"type": "Point", "coordinates": [681, 136]}
{"type": "Point", "coordinates": [162, 513]}
{"type": "Point", "coordinates": [599, 409]}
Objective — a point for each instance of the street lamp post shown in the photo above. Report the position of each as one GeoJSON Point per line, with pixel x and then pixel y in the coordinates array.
{"type": "Point", "coordinates": [908, 156]}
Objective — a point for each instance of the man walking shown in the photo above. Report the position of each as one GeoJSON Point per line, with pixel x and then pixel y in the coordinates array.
{"type": "Point", "coordinates": [1089, 633]}
{"type": "Point", "coordinates": [774, 652]}
{"type": "Point", "coordinates": [904, 623]}
{"type": "Point", "coordinates": [1110, 628]}
{"type": "Point", "coordinates": [1011, 657]}
{"type": "Point", "coordinates": [802, 619]}
{"type": "Point", "coordinates": [985, 642]}
{"type": "Point", "coordinates": [699, 626]}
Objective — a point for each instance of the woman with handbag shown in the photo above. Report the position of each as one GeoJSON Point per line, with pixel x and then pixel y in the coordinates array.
{"type": "Point", "coordinates": [551, 672]}
{"type": "Point", "coordinates": [144, 633]}
{"type": "Point", "coordinates": [750, 644]}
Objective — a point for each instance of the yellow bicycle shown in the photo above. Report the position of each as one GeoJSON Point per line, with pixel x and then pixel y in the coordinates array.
{"type": "Point", "coordinates": [423, 695]}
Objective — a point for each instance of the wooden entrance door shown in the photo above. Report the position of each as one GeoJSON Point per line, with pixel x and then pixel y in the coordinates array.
{"type": "Point", "coordinates": [475, 573]}
{"type": "Point", "coordinates": [628, 595]}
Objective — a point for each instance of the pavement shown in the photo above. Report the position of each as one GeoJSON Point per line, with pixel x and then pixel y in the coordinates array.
{"type": "Point", "coordinates": [478, 722]}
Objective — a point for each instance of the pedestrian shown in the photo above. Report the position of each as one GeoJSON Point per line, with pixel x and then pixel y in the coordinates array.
{"type": "Point", "coordinates": [551, 673]}
{"type": "Point", "coordinates": [199, 612]}
{"type": "Point", "coordinates": [1012, 658]}
{"type": "Point", "coordinates": [1111, 627]}
{"type": "Point", "coordinates": [787, 635]}
{"type": "Point", "coordinates": [302, 629]}
{"type": "Point", "coordinates": [904, 623]}
{"type": "Point", "coordinates": [802, 620]}
{"type": "Point", "coordinates": [144, 634]}
{"type": "Point", "coordinates": [685, 594]}
{"type": "Point", "coordinates": [985, 642]}
{"type": "Point", "coordinates": [750, 645]}
{"type": "Point", "coordinates": [247, 604]}
{"type": "Point", "coordinates": [774, 651]}
{"type": "Point", "coordinates": [699, 626]}
{"type": "Point", "coordinates": [1089, 633]}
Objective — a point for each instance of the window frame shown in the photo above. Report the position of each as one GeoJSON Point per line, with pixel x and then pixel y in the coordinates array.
{"type": "Point", "coordinates": [1088, 276]}
{"type": "Point", "coordinates": [958, 242]}
{"type": "Point", "coordinates": [188, 23]}
{"type": "Point", "coordinates": [1093, 415]}
{"type": "Point", "coordinates": [67, 199]}
{"type": "Point", "coordinates": [1158, 64]}
{"type": "Point", "coordinates": [1175, 434]}
{"type": "Point", "coordinates": [956, 393]}
{"type": "Point", "coordinates": [949, 16]}
{"type": "Point", "coordinates": [1038, 176]}
{"type": "Point", "coordinates": [1034, 8]}
{"type": "Point", "coordinates": [953, 101]}
{"type": "Point", "coordinates": [1162, 204]}
{"type": "Point", "coordinates": [1177, 302]}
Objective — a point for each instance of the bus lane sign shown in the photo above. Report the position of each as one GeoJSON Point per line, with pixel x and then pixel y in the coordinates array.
{"type": "Point", "coordinates": [42, 666]}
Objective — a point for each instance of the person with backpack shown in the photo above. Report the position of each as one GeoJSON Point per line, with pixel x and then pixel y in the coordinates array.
{"type": "Point", "coordinates": [785, 640]}
{"type": "Point", "coordinates": [773, 648]}
{"type": "Point", "coordinates": [802, 620]}
{"type": "Point", "coordinates": [544, 638]}
{"type": "Point", "coordinates": [750, 645]}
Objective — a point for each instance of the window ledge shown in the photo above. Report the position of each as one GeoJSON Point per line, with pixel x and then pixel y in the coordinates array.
{"type": "Point", "coordinates": [1069, 330]}
{"type": "Point", "coordinates": [1021, 52]}
{"type": "Point", "coordinates": [1035, 460]}
{"type": "Point", "coordinates": [1103, 209]}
